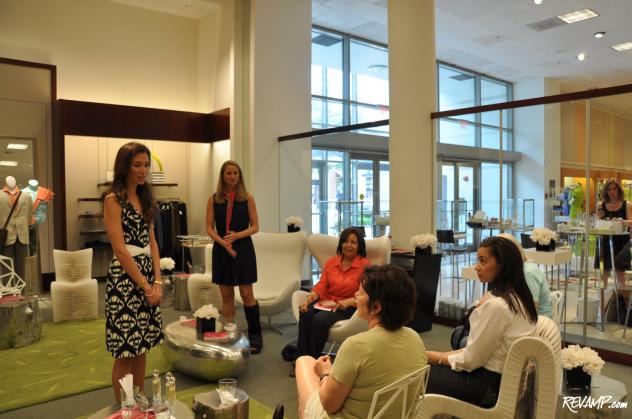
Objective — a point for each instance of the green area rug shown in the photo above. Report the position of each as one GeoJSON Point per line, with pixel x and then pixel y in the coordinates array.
{"type": "Point", "coordinates": [256, 410]}
{"type": "Point", "coordinates": [71, 358]}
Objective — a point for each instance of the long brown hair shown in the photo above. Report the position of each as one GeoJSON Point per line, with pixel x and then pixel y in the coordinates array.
{"type": "Point", "coordinates": [604, 191]}
{"type": "Point", "coordinates": [241, 193]}
{"type": "Point", "coordinates": [122, 165]}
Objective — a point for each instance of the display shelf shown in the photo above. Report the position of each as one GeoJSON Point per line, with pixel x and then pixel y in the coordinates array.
{"type": "Point", "coordinates": [152, 184]}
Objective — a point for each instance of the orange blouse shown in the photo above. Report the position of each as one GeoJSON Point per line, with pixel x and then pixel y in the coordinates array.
{"type": "Point", "coordinates": [336, 283]}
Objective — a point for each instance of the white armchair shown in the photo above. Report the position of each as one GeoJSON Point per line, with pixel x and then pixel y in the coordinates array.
{"type": "Point", "coordinates": [322, 247]}
{"type": "Point", "coordinates": [522, 351]}
{"type": "Point", "coordinates": [74, 293]}
{"type": "Point", "coordinates": [557, 306]}
{"type": "Point", "coordinates": [200, 287]}
{"type": "Point", "coordinates": [279, 262]}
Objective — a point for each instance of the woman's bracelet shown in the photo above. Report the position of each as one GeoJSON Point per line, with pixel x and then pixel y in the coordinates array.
{"type": "Point", "coordinates": [153, 290]}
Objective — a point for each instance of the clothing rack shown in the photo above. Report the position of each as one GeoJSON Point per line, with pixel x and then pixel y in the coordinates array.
{"type": "Point", "coordinates": [171, 221]}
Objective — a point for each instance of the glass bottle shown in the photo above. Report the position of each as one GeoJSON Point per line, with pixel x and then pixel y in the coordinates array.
{"type": "Point", "coordinates": [171, 394]}
{"type": "Point", "coordinates": [156, 385]}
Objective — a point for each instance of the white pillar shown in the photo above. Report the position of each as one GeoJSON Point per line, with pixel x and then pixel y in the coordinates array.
{"type": "Point", "coordinates": [279, 93]}
{"type": "Point", "coordinates": [412, 79]}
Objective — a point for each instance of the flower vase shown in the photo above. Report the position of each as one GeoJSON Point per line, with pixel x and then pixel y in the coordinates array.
{"type": "Point", "coordinates": [291, 228]}
{"type": "Point", "coordinates": [203, 325]}
{"type": "Point", "coordinates": [423, 251]}
{"type": "Point", "coordinates": [545, 247]}
{"type": "Point", "coordinates": [577, 380]}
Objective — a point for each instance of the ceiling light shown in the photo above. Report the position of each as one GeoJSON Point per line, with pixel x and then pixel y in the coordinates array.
{"type": "Point", "coordinates": [8, 163]}
{"type": "Point", "coordinates": [622, 47]}
{"type": "Point", "coordinates": [578, 15]}
{"type": "Point", "coordinates": [537, 1]}
{"type": "Point", "coordinates": [17, 146]}
{"type": "Point", "coordinates": [599, 34]}
{"type": "Point", "coordinates": [581, 56]}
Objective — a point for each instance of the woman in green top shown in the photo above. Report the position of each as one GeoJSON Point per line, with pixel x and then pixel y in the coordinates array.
{"type": "Point", "coordinates": [367, 361]}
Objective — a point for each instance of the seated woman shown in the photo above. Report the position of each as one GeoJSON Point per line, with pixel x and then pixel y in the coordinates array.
{"type": "Point", "coordinates": [338, 283]}
{"type": "Point", "coordinates": [506, 313]}
{"type": "Point", "coordinates": [536, 281]}
{"type": "Point", "coordinates": [370, 360]}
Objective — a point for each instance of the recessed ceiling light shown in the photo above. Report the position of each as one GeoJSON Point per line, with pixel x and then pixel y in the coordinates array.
{"type": "Point", "coordinates": [578, 15]}
{"type": "Point", "coordinates": [599, 34]}
{"type": "Point", "coordinates": [8, 163]}
{"type": "Point", "coordinates": [537, 1]}
{"type": "Point", "coordinates": [622, 47]}
{"type": "Point", "coordinates": [581, 56]}
{"type": "Point", "coordinates": [17, 146]}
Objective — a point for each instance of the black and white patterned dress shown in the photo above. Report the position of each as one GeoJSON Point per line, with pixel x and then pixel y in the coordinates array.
{"type": "Point", "coordinates": [132, 325]}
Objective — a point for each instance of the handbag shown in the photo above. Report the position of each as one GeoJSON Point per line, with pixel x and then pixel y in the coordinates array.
{"type": "Point", "coordinates": [458, 339]}
{"type": "Point", "coordinates": [3, 230]}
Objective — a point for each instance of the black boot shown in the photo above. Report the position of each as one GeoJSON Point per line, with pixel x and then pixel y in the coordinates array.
{"type": "Point", "coordinates": [254, 328]}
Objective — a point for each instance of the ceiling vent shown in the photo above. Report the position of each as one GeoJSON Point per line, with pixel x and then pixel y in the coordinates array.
{"type": "Point", "coordinates": [546, 24]}
{"type": "Point", "coordinates": [462, 77]}
{"type": "Point", "coordinates": [325, 40]}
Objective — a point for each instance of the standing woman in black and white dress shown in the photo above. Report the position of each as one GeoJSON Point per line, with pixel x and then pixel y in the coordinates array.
{"type": "Point", "coordinates": [134, 290]}
{"type": "Point", "coordinates": [231, 218]}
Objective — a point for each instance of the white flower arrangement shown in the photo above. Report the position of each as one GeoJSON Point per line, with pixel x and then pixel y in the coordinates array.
{"type": "Point", "coordinates": [543, 236]}
{"type": "Point", "coordinates": [207, 311]}
{"type": "Point", "coordinates": [423, 240]}
{"type": "Point", "coordinates": [294, 221]}
{"type": "Point", "coordinates": [167, 264]}
{"type": "Point", "coordinates": [575, 356]}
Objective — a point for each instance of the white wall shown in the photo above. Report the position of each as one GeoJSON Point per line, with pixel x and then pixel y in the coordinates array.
{"type": "Point", "coordinates": [105, 51]}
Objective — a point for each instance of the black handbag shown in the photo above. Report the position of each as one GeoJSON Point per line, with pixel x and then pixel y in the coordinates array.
{"type": "Point", "coordinates": [458, 339]}
{"type": "Point", "coordinates": [3, 230]}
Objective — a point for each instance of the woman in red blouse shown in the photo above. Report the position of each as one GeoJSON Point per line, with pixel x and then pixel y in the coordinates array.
{"type": "Point", "coordinates": [335, 291]}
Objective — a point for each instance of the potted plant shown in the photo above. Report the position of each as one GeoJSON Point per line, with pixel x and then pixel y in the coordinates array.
{"type": "Point", "coordinates": [205, 319]}
{"type": "Point", "coordinates": [544, 239]}
{"type": "Point", "coordinates": [423, 243]}
{"type": "Point", "coordinates": [294, 224]}
{"type": "Point", "coordinates": [580, 364]}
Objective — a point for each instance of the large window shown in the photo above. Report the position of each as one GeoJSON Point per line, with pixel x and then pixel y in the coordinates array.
{"type": "Point", "coordinates": [349, 81]}
{"type": "Point", "coordinates": [460, 88]}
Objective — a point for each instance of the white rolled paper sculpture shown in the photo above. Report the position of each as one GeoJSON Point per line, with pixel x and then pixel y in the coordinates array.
{"type": "Point", "coordinates": [10, 282]}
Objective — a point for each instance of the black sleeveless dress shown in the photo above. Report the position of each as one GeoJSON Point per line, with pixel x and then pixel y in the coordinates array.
{"type": "Point", "coordinates": [618, 242]}
{"type": "Point", "coordinates": [241, 270]}
{"type": "Point", "coordinates": [132, 326]}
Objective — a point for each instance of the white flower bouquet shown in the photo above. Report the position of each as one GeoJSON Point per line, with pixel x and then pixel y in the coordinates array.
{"type": "Point", "coordinates": [167, 264]}
{"type": "Point", "coordinates": [294, 221]}
{"type": "Point", "coordinates": [543, 236]}
{"type": "Point", "coordinates": [423, 241]}
{"type": "Point", "coordinates": [208, 311]}
{"type": "Point", "coordinates": [575, 356]}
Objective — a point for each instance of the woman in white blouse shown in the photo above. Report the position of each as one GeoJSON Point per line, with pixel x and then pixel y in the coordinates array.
{"type": "Point", "coordinates": [505, 313]}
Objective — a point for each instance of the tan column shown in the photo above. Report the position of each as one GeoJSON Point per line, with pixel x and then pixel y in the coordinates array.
{"type": "Point", "coordinates": [412, 69]}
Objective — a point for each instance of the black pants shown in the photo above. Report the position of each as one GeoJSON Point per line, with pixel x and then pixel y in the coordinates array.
{"type": "Point", "coordinates": [479, 387]}
{"type": "Point", "coordinates": [313, 329]}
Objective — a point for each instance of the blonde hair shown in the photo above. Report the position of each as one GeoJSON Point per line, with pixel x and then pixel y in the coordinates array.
{"type": "Point", "coordinates": [241, 193]}
{"type": "Point", "coordinates": [516, 242]}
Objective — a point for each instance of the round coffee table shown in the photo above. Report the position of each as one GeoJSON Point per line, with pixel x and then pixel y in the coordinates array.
{"type": "Point", "coordinates": [205, 360]}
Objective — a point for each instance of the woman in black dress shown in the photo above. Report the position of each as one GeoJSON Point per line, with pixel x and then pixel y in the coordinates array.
{"type": "Point", "coordinates": [613, 206]}
{"type": "Point", "coordinates": [133, 290]}
{"type": "Point", "coordinates": [231, 218]}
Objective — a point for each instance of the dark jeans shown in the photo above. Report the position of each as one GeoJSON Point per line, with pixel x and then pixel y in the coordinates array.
{"type": "Point", "coordinates": [479, 387]}
{"type": "Point", "coordinates": [313, 329]}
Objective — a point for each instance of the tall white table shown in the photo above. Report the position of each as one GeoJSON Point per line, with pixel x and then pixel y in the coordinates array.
{"type": "Point", "coordinates": [561, 256]}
